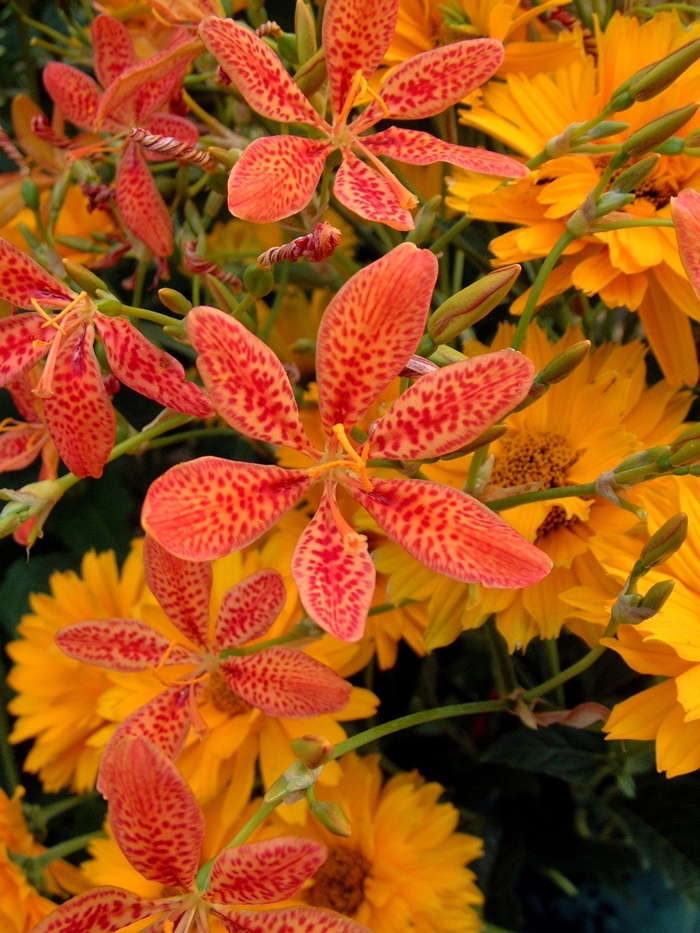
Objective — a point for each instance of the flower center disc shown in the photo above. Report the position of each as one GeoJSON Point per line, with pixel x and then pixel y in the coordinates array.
{"type": "Point", "coordinates": [339, 882]}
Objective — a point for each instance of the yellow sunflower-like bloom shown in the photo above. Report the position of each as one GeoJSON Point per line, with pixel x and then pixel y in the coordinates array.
{"type": "Point", "coordinates": [584, 426]}
{"type": "Point", "coordinates": [21, 905]}
{"type": "Point", "coordinates": [423, 25]}
{"type": "Point", "coordinates": [404, 866]}
{"type": "Point", "coordinates": [635, 267]}
{"type": "Point", "coordinates": [72, 709]}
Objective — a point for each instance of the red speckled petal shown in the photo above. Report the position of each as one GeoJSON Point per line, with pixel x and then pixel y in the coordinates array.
{"type": "Point", "coordinates": [117, 644]}
{"type": "Point", "coordinates": [165, 721]}
{"type": "Point", "coordinates": [435, 80]}
{"type": "Point", "coordinates": [264, 872]}
{"type": "Point", "coordinates": [368, 194]}
{"type": "Point", "coordinates": [257, 72]}
{"type": "Point", "coordinates": [140, 204]}
{"type": "Point", "coordinates": [370, 330]}
{"type": "Point", "coordinates": [75, 94]}
{"type": "Point", "coordinates": [182, 587]}
{"type": "Point", "coordinates": [335, 577]}
{"type": "Point", "coordinates": [20, 446]}
{"type": "Point", "coordinates": [22, 279]}
{"type": "Point", "coordinates": [103, 910]}
{"type": "Point", "coordinates": [112, 47]}
{"type": "Point", "coordinates": [356, 34]}
{"type": "Point", "coordinates": [246, 382]}
{"type": "Point", "coordinates": [275, 177]}
{"type": "Point", "coordinates": [448, 408]}
{"type": "Point", "coordinates": [685, 210]}
{"type": "Point", "coordinates": [453, 534]}
{"type": "Point", "coordinates": [208, 507]}
{"type": "Point", "coordinates": [249, 609]}
{"type": "Point", "coordinates": [79, 415]}
{"type": "Point", "coordinates": [283, 681]}
{"type": "Point", "coordinates": [154, 815]}
{"type": "Point", "coordinates": [146, 86]}
{"type": "Point", "coordinates": [146, 369]}
{"type": "Point", "coordinates": [18, 352]}
{"type": "Point", "coordinates": [422, 149]}
{"type": "Point", "coordinates": [290, 920]}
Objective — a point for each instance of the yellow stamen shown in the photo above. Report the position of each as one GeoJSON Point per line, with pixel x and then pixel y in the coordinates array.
{"type": "Point", "coordinates": [353, 541]}
{"type": "Point", "coordinates": [168, 926]}
{"type": "Point", "coordinates": [358, 87]}
{"type": "Point", "coordinates": [57, 318]}
{"type": "Point", "coordinates": [357, 463]}
{"type": "Point", "coordinates": [169, 682]}
{"type": "Point", "coordinates": [9, 424]}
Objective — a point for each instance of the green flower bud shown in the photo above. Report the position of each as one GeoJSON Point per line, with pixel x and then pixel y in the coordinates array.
{"type": "Point", "coordinates": [313, 750]}
{"type": "Point", "coordinates": [305, 31]}
{"type": "Point", "coordinates": [425, 221]}
{"type": "Point", "coordinates": [312, 73]}
{"type": "Point", "coordinates": [673, 146]}
{"type": "Point", "coordinates": [654, 133]}
{"type": "Point", "coordinates": [444, 356]}
{"type": "Point", "coordinates": [259, 282]}
{"type": "Point", "coordinates": [304, 346]}
{"type": "Point", "coordinates": [331, 816]}
{"type": "Point", "coordinates": [227, 157]}
{"type": "Point", "coordinates": [662, 544]}
{"type": "Point", "coordinates": [663, 73]}
{"type": "Point", "coordinates": [602, 131]}
{"type": "Point", "coordinates": [30, 194]}
{"type": "Point", "coordinates": [691, 433]}
{"type": "Point", "coordinates": [112, 307]}
{"type": "Point", "coordinates": [174, 301]}
{"type": "Point", "coordinates": [85, 278]}
{"type": "Point", "coordinates": [58, 196]}
{"type": "Point", "coordinates": [287, 46]}
{"type": "Point", "coordinates": [563, 364]}
{"type": "Point", "coordinates": [634, 175]}
{"type": "Point", "coordinates": [685, 454]}
{"type": "Point", "coordinates": [177, 332]}
{"type": "Point", "coordinates": [656, 596]}
{"type": "Point", "coordinates": [612, 201]}
{"type": "Point", "coordinates": [535, 393]}
{"type": "Point", "coordinates": [645, 458]}
{"type": "Point", "coordinates": [471, 304]}
{"type": "Point", "coordinates": [691, 144]}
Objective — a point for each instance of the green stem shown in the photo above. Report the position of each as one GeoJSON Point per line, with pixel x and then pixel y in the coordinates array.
{"type": "Point", "coordinates": [65, 848]}
{"type": "Point", "coordinates": [563, 676]}
{"type": "Point", "coordinates": [189, 435]}
{"type": "Point", "coordinates": [294, 634]}
{"type": "Point", "coordinates": [141, 269]}
{"type": "Point", "coordinates": [550, 648]}
{"type": "Point", "coordinates": [276, 304]}
{"type": "Point", "coordinates": [542, 495]}
{"type": "Point", "coordinates": [627, 224]}
{"type": "Point", "coordinates": [506, 681]}
{"type": "Point", "coordinates": [449, 235]}
{"type": "Point", "coordinates": [42, 816]}
{"type": "Point", "coordinates": [143, 314]}
{"type": "Point", "coordinates": [562, 243]}
{"type": "Point", "coordinates": [7, 758]}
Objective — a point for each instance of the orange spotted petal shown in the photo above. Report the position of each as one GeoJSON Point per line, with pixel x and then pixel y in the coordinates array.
{"type": "Point", "coordinates": [368, 194]}
{"type": "Point", "coordinates": [453, 534]}
{"type": "Point", "coordinates": [22, 279]}
{"type": "Point", "coordinates": [182, 587]}
{"type": "Point", "coordinates": [79, 414]}
{"type": "Point", "coordinates": [685, 210]}
{"type": "Point", "coordinates": [75, 94]}
{"type": "Point", "coordinates": [334, 575]}
{"type": "Point", "coordinates": [264, 872]}
{"type": "Point", "coordinates": [154, 815]}
{"type": "Point", "coordinates": [285, 682]}
{"type": "Point", "coordinates": [275, 177]}
{"type": "Point", "coordinates": [246, 382]}
{"type": "Point", "coordinates": [20, 446]}
{"type": "Point", "coordinates": [140, 204]}
{"type": "Point", "coordinates": [297, 919]}
{"type": "Point", "coordinates": [165, 721]}
{"type": "Point", "coordinates": [18, 350]}
{"type": "Point", "coordinates": [249, 608]}
{"type": "Point", "coordinates": [431, 82]}
{"type": "Point", "coordinates": [356, 34]}
{"type": "Point", "coordinates": [117, 644]}
{"type": "Point", "coordinates": [257, 72]}
{"type": "Point", "coordinates": [112, 47]}
{"type": "Point", "coordinates": [208, 507]}
{"type": "Point", "coordinates": [423, 149]}
{"type": "Point", "coordinates": [103, 910]}
{"type": "Point", "coordinates": [370, 330]}
{"type": "Point", "coordinates": [144, 368]}
{"type": "Point", "coordinates": [446, 409]}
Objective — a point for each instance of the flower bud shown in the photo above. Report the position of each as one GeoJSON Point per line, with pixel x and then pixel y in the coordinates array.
{"type": "Point", "coordinates": [312, 73]}
{"type": "Point", "coordinates": [662, 544]}
{"type": "Point", "coordinates": [227, 157]}
{"type": "Point", "coordinates": [612, 201]}
{"type": "Point", "coordinates": [691, 144]}
{"type": "Point", "coordinates": [305, 31]}
{"type": "Point", "coordinates": [312, 750]}
{"type": "Point", "coordinates": [654, 133]}
{"type": "Point", "coordinates": [644, 458]}
{"type": "Point", "coordinates": [111, 306]}
{"type": "Point", "coordinates": [663, 73]}
{"type": "Point", "coordinates": [331, 816]}
{"type": "Point", "coordinates": [602, 131]}
{"type": "Point", "coordinates": [305, 346]}
{"type": "Point", "coordinates": [563, 364]}
{"type": "Point", "coordinates": [471, 304]}
{"type": "Point", "coordinates": [86, 279]}
{"type": "Point", "coordinates": [672, 146]}
{"type": "Point", "coordinates": [691, 433]}
{"type": "Point", "coordinates": [686, 454]}
{"type": "Point", "coordinates": [259, 282]}
{"type": "Point", "coordinates": [445, 356]}
{"type": "Point", "coordinates": [288, 47]}
{"type": "Point", "coordinates": [579, 224]}
{"type": "Point", "coordinates": [30, 194]}
{"type": "Point", "coordinates": [656, 596]}
{"type": "Point", "coordinates": [174, 301]}
{"type": "Point", "coordinates": [535, 393]}
{"type": "Point", "coordinates": [291, 786]}
{"type": "Point", "coordinates": [176, 331]}
{"type": "Point", "coordinates": [634, 175]}
{"type": "Point", "coordinates": [424, 221]}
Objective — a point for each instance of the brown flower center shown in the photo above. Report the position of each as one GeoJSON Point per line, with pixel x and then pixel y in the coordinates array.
{"type": "Point", "coordinates": [542, 457]}
{"type": "Point", "coordinates": [339, 882]}
{"type": "Point", "coordinates": [223, 697]}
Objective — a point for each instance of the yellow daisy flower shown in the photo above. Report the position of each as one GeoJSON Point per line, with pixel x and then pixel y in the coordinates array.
{"type": "Point", "coordinates": [404, 866]}
{"type": "Point", "coordinates": [21, 905]}
{"type": "Point", "coordinates": [584, 426]}
{"type": "Point", "coordinates": [424, 24]}
{"type": "Point", "coordinates": [636, 267]}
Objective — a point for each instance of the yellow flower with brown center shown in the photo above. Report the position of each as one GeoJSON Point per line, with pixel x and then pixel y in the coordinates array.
{"type": "Point", "coordinates": [404, 866]}
{"type": "Point", "coordinates": [634, 267]}
{"type": "Point", "coordinates": [583, 427]}
{"type": "Point", "coordinates": [425, 24]}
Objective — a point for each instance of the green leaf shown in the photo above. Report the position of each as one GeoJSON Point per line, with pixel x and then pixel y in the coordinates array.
{"type": "Point", "coordinates": [24, 577]}
{"type": "Point", "coordinates": [569, 754]}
